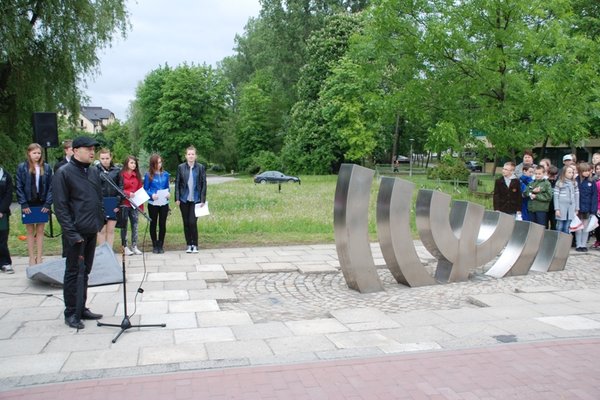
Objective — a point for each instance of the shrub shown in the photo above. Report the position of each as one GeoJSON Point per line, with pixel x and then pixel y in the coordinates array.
{"type": "Point", "coordinates": [449, 169]}
{"type": "Point", "coordinates": [217, 168]}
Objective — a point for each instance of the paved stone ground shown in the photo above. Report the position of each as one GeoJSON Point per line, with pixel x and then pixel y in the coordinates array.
{"type": "Point", "coordinates": [284, 305]}
{"type": "Point", "coordinates": [285, 296]}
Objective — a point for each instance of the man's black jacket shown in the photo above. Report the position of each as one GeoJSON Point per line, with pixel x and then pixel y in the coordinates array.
{"type": "Point", "coordinates": [78, 203]}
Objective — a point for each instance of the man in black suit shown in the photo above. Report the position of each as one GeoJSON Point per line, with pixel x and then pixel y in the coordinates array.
{"type": "Point", "coordinates": [80, 211]}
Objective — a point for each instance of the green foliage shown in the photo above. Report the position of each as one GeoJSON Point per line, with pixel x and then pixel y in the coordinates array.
{"type": "Point", "coordinates": [117, 138]}
{"type": "Point", "coordinates": [259, 118]}
{"type": "Point", "coordinates": [48, 49]}
{"type": "Point", "coordinates": [323, 123]}
{"type": "Point", "coordinates": [264, 161]}
{"type": "Point", "coordinates": [450, 168]}
{"type": "Point", "coordinates": [181, 107]}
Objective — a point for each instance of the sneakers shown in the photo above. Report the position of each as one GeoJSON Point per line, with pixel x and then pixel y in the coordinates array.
{"type": "Point", "coordinates": [189, 249]}
{"type": "Point", "coordinates": [8, 269]}
{"type": "Point", "coordinates": [194, 249]}
{"type": "Point", "coordinates": [136, 251]}
{"type": "Point", "coordinates": [582, 249]}
{"type": "Point", "coordinates": [128, 251]}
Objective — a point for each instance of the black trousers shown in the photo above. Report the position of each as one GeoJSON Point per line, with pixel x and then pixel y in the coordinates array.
{"type": "Point", "coordinates": [158, 216]}
{"type": "Point", "coordinates": [190, 226]}
{"type": "Point", "coordinates": [86, 249]}
{"type": "Point", "coordinates": [4, 252]}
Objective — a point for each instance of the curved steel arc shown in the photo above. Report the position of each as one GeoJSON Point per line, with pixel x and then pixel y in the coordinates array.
{"type": "Point", "coordinates": [393, 229]}
{"type": "Point", "coordinates": [493, 236]}
{"type": "Point", "coordinates": [553, 252]}
{"type": "Point", "coordinates": [452, 239]}
{"type": "Point", "coordinates": [350, 222]}
{"type": "Point", "coordinates": [520, 252]}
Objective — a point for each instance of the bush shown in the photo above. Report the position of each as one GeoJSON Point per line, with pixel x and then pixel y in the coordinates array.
{"type": "Point", "coordinates": [217, 168]}
{"type": "Point", "coordinates": [449, 169]}
{"type": "Point", "coordinates": [264, 161]}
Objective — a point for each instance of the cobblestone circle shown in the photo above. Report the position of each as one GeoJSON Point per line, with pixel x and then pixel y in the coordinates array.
{"type": "Point", "coordinates": [288, 296]}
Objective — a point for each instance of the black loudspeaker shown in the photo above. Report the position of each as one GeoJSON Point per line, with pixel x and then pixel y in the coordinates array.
{"type": "Point", "coordinates": [45, 129]}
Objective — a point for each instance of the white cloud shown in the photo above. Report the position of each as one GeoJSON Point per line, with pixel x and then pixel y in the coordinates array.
{"type": "Point", "coordinates": [172, 32]}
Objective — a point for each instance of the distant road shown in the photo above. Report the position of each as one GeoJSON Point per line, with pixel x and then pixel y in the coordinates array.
{"type": "Point", "coordinates": [219, 179]}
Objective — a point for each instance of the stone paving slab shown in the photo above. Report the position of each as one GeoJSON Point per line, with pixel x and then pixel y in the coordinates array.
{"type": "Point", "coordinates": [281, 315]}
{"type": "Point", "coordinates": [204, 335]}
{"type": "Point", "coordinates": [315, 326]}
{"type": "Point", "coordinates": [265, 330]}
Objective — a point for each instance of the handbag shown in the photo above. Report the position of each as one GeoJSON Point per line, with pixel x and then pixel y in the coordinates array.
{"type": "Point", "coordinates": [592, 223]}
{"type": "Point", "coordinates": [576, 224]}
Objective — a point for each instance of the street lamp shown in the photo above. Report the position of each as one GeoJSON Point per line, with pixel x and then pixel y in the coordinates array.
{"type": "Point", "coordinates": [411, 158]}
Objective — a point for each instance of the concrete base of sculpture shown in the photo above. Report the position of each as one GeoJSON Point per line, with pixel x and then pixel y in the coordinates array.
{"type": "Point", "coordinates": [105, 271]}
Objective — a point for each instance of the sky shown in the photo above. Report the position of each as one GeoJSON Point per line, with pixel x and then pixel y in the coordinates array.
{"type": "Point", "coordinates": [166, 32]}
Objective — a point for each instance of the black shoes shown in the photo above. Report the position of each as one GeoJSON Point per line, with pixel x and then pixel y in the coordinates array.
{"type": "Point", "coordinates": [157, 248]}
{"type": "Point", "coordinates": [87, 314]}
{"type": "Point", "coordinates": [73, 322]}
{"type": "Point", "coordinates": [582, 249]}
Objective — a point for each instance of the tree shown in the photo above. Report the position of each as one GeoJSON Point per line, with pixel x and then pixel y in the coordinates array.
{"type": "Point", "coordinates": [258, 118]}
{"type": "Point", "coordinates": [514, 69]}
{"type": "Point", "coordinates": [312, 145]}
{"type": "Point", "coordinates": [181, 107]}
{"type": "Point", "coordinates": [48, 48]}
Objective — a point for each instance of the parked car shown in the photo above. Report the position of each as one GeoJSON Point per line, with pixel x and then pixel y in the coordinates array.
{"type": "Point", "coordinates": [403, 160]}
{"type": "Point", "coordinates": [474, 166]}
{"type": "Point", "coordinates": [274, 177]}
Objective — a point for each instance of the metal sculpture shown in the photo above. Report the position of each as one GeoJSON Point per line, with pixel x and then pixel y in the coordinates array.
{"type": "Point", "coordinates": [461, 236]}
{"type": "Point", "coordinates": [393, 229]}
{"type": "Point", "coordinates": [351, 228]}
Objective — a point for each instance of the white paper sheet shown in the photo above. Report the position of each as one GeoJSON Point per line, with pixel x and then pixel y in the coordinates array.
{"type": "Point", "coordinates": [201, 211]}
{"type": "Point", "coordinates": [162, 198]}
{"type": "Point", "coordinates": [140, 197]}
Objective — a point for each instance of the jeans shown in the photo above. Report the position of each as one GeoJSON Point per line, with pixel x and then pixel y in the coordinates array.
{"type": "Point", "coordinates": [581, 237]}
{"type": "Point", "coordinates": [129, 214]}
{"type": "Point", "coordinates": [539, 217]}
{"type": "Point", "coordinates": [562, 225]}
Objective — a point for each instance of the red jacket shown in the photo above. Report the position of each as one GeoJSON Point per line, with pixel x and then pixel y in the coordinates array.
{"type": "Point", "coordinates": [130, 183]}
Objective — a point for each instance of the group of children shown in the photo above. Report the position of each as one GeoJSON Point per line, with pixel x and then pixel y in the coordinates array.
{"type": "Point", "coordinates": [551, 197]}
{"type": "Point", "coordinates": [33, 186]}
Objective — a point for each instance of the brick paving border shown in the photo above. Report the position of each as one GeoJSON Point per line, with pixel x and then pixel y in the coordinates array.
{"type": "Point", "coordinates": [565, 369]}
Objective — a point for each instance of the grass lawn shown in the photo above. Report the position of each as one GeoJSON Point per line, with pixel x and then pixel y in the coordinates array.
{"type": "Point", "coordinates": [246, 214]}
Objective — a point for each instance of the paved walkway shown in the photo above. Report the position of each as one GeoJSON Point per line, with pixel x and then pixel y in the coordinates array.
{"type": "Point", "coordinates": [278, 322]}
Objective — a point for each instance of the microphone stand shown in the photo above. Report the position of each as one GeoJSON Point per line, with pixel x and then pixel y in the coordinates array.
{"type": "Point", "coordinates": [125, 323]}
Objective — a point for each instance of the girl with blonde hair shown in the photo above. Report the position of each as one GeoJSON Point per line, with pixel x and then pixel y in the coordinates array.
{"type": "Point", "coordinates": [34, 189]}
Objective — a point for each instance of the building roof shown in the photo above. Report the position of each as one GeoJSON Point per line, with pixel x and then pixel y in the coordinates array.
{"type": "Point", "coordinates": [95, 113]}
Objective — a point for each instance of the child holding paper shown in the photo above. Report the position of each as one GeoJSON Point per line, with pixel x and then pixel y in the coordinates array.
{"type": "Point", "coordinates": [34, 189]}
{"type": "Point", "coordinates": [156, 184]}
{"type": "Point", "coordinates": [131, 182]}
